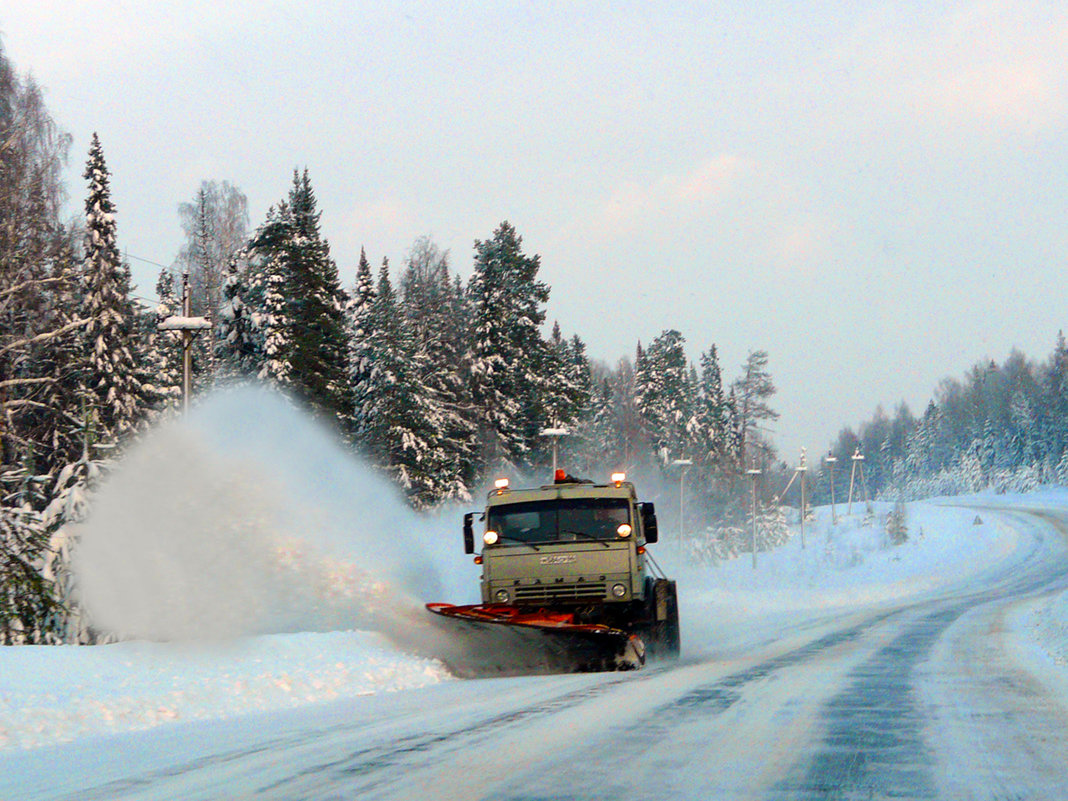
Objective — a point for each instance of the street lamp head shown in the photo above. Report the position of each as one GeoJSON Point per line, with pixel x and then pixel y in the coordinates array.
{"type": "Point", "coordinates": [554, 432]}
{"type": "Point", "coordinates": [682, 462]}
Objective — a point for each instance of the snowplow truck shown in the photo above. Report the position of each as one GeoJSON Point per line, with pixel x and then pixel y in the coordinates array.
{"type": "Point", "coordinates": [567, 581]}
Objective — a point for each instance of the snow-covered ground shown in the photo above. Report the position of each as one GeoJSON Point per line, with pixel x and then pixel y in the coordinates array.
{"type": "Point", "coordinates": [844, 565]}
{"type": "Point", "coordinates": [50, 695]}
{"type": "Point", "coordinates": [57, 694]}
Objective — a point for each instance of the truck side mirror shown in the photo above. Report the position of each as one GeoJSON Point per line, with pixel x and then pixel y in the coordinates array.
{"type": "Point", "coordinates": [469, 532]}
{"type": "Point", "coordinates": [649, 526]}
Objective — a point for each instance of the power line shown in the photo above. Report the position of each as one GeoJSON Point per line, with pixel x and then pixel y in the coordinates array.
{"type": "Point", "coordinates": [147, 261]}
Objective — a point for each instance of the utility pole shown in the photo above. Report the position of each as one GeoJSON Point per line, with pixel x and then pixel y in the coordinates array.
{"type": "Point", "coordinates": [684, 464]}
{"type": "Point", "coordinates": [187, 345]}
{"type": "Point", "coordinates": [864, 485]}
{"type": "Point", "coordinates": [188, 327]}
{"type": "Point", "coordinates": [831, 461]}
{"type": "Point", "coordinates": [753, 473]}
{"type": "Point", "coordinates": [801, 470]}
{"type": "Point", "coordinates": [858, 464]}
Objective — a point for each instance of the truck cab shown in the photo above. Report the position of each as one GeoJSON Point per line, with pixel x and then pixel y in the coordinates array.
{"type": "Point", "coordinates": [572, 545]}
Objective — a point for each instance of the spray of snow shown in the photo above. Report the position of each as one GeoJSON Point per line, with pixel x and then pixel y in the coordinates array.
{"type": "Point", "coordinates": [248, 518]}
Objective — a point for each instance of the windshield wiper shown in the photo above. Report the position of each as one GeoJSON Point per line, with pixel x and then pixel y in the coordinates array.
{"type": "Point", "coordinates": [587, 535]}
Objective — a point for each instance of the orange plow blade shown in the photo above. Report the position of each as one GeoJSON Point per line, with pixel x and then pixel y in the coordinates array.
{"type": "Point", "coordinates": [501, 640]}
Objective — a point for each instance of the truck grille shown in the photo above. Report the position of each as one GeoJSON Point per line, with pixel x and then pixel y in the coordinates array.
{"type": "Point", "coordinates": [545, 593]}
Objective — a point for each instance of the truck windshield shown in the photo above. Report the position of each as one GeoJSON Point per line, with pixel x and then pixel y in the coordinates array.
{"type": "Point", "coordinates": [559, 521]}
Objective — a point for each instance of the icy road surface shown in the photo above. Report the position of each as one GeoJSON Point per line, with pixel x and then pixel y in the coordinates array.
{"type": "Point", "coordinates": [945, 683]}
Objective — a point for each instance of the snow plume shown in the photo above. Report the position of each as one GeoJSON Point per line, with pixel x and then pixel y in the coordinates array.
{"type": "Point", "coordinates": [247, 518]}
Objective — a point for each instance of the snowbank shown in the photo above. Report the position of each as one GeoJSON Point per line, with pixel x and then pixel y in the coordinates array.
{"type": "Point", "coordinates": [54, 694]}
{"type": "Point", "coordinates": [844, 566]}
{"type": "Point", "coordinates": [1044, 622]}
{"type": "Point", "coordinates": [1037, 629]}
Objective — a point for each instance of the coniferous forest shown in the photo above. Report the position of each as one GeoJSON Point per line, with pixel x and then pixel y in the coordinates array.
{"type": "Point", "coordinates": [439, 382]}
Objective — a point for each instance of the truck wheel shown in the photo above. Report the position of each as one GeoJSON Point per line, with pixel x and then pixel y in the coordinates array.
{"type": "Point", "coordinates": [670, 640]}
{"type": "Point", "coordinates": [661, 628]}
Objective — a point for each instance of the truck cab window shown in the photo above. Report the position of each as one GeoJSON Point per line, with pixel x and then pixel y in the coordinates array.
{"type": "Point", "coordinates": [555, 521]}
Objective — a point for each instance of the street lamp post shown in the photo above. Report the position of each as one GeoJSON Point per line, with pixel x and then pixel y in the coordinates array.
{"type": "Point", "coordinates": [831, 461]}
{"type": "Point", "coordinates": [555, 434]}
{"type": "Point", "coordinates": [753, 473]}
{"type": "Point", "coordinates": [685, 465]}
{"type": "Point", "coordinates": [801, 470]}
{"type": "Point", "coordinates": [858, 461]}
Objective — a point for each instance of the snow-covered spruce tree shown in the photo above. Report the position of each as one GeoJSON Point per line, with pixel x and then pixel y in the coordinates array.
{"type": "Point", "coordinates": [434, 312]}
{"type": "Point", "coordinates": [507, 310]}
{"type": "Point", "coordinates": [239, 345]}
{"type": "Point", "coordinates": [667, 397]}
{"type": "Point", "coordinates": [714, 477]}
{"type": "Point", "coordinates": [318, 356]}
{"type": "Point", "coordinates": [897, 528]}
{"type": "Point", "coordinates": [243, 336]}
{"type": "Point", "coordinates": [560, 379]}
{"type": "Point", "coordinates": [713, 415]}
{"type": "Point", "coordinates": [361, 344]}
{"type": "Point", "coordinates": [598, 434]}
{"type": "Point", "coordinates": [1056, 397]}
{"type": "Point", "coordinates": [579, 376]}
{"type": "Point", "coordinates": [579, 381]}
{"type": "Point", "coordinates": [450, 385]}
{"type": "Point", "coordinates": [295, 303]}
{"type": "Point", "coordinates": [277, 327]}
{"type": "Point", "coordinates": [772, 530]}
{"type": "Point", "coordinates": [115, 376]}
{"type": "Point", "coordinates": [400, 423]}
{"type": "Point", "coordinates": [641, 386]}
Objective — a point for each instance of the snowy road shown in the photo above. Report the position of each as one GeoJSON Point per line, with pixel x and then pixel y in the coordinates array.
{"type": "Point", "coordinates": [933, 697]}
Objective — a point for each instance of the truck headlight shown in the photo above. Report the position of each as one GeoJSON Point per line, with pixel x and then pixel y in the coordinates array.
{"type": "Point", "coordinates": [624, 530]}
{"type": "Point", "coordinates": [619, 590]}
{"type": "Point", "coordinates": [490, 537]}
{"type": "Point", "coordinates": [501, 596]}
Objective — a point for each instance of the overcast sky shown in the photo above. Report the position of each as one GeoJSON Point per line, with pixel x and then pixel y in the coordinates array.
{"type": "Point", "coordinates": [874, 193]}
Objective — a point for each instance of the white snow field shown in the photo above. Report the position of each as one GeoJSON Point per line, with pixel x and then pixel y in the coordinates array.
{"type": "Point", "coordinates": [848, 669]}
{"type": "Point", "coordinates": [56, 694]}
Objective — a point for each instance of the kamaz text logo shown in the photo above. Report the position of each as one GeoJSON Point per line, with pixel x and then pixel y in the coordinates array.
{"type": "Point", "coordinates": [558, 559]}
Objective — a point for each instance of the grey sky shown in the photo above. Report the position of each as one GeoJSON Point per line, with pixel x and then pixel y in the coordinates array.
{"type": "Point", "coordinates": [874, 193]}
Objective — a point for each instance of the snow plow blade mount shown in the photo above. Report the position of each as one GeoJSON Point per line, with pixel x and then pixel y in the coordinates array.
{"type": "Point", "coordinates": [501, 640]}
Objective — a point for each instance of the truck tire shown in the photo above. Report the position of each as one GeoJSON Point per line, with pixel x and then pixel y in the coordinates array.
{"type": "Point", "coordinates": [661, 626]}
{"type": "Point", "coordinates": [670, 639]}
